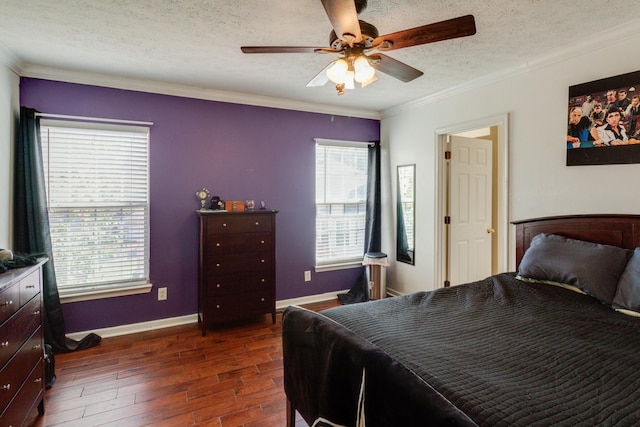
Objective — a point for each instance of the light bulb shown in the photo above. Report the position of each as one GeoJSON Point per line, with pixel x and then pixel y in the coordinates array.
{"type": "Point", "coordinates": [348, 80]}
{"type": "Point", "coordinates": [337, 71]}
{"type": "Point", "coordinates": [364, 70]}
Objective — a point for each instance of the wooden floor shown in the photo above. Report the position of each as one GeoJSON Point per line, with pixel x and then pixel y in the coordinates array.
{"type": "Point", "coordinates": [174, 377]}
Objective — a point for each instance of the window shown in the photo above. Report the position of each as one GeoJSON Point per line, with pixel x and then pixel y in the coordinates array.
{"type": "Point", "coordinates": [97, 183]}
{"type": "Point", "coordinates": [341, 193]}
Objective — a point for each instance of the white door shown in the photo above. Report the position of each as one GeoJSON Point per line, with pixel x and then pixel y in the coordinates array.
{"type": "Point", "coordinates": [470, 202]}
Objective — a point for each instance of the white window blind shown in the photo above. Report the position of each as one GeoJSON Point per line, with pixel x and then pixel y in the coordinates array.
{"type": "Point", "coordinates": [341, 192]}
{"type": "Point", "coordinates": [97, 194]}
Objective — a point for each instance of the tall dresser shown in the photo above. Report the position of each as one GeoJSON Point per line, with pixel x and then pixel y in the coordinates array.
{"type": "Point", "coordinates": [237, 271]}
{"type": "Point", "coordinates": [21, 344]}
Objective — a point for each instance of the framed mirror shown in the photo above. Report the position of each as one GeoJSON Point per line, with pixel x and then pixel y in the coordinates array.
{"type": "Point", "coordinates": [405, 217]}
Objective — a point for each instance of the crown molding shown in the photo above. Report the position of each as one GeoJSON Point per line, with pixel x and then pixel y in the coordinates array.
{"type": "Point", "coordinates": [585, 46]}
{"type": "Point", "coordinates": [9, 60]}
{"type": "Point", "coordinates": [454, 90]}
{"type": "Point", "coordinates": [149, 86]}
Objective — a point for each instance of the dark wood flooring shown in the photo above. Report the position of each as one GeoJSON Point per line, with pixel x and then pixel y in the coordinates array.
{"type": "Point", "coordinates": [174, 377]}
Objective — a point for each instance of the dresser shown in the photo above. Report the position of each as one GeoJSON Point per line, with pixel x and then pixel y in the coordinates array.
{"type": "Point", "coordinates": [237, 271]}
{"type": "Point", "coordinates": [21, 344]}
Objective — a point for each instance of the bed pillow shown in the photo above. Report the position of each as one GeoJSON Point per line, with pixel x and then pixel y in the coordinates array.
{"type": "Point", "coordinates": [592, 267]}
{"type": "Point", "coordinates": [628, 294]}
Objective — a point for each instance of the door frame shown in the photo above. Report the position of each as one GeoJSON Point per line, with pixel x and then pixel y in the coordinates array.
{"type": "Point", "coordinates": [442, 191]}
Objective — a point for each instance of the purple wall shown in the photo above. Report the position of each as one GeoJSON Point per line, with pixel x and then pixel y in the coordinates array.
{"type": "Point", "coordinates": [238, 152]}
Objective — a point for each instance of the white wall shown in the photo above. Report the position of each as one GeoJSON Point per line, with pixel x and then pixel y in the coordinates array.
{"type": "Point", "coordinates": [539, 182]}
{"type": "Point", "coordinates": [9, 111]}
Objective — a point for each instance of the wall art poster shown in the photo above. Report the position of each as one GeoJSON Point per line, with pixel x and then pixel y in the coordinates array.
{"type": "Point", "coordinates": [603, 123]}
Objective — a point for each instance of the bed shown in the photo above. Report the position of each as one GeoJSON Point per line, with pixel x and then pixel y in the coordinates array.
{"type": "Point", "coordinates": [555, 343]}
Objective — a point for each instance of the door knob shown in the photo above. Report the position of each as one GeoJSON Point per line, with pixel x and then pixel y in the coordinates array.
{"type": "Point", "coordinates": [490, 230]}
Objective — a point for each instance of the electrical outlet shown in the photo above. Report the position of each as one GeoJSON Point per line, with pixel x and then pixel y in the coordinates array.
{"type": "Point", "coordinates": [162, 294]}
{"type": "Point", "coordinates": [307, 276]}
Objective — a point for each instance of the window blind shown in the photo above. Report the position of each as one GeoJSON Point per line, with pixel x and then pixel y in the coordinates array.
{"type": "Point", "coordinates": [341, 191]}
{"type": "Point", "coordinates": [97, 195]}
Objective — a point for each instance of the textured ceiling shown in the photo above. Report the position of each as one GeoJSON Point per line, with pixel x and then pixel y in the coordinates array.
{"type": "Point", "coordinates": [197, 42]}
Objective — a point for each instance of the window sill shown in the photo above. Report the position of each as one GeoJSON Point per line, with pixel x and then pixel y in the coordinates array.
{"type": "Point", "coordinates": [91, 293]}
{"type": "Point", "coordinates": [338, 266]}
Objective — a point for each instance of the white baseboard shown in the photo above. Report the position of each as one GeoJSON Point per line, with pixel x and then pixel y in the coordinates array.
{"type": "Point", "coordinates": [138, 327]}
{"type": "Point", "coordinates": [191, 318]}
{"type": "Point", "coordinates": [393, 293]}
{"type": "Point", "coordinates": [282, 304]}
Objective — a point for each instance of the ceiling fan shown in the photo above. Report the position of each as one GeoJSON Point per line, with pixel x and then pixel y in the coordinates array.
{"type": "Point", "coordinates": [361, 47]}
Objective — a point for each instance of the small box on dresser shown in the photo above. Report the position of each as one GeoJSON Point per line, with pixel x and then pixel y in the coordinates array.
{"type": "Point", "coordinates": [237, 271]}
{"type": "Point", "coordinates": [21, 344]}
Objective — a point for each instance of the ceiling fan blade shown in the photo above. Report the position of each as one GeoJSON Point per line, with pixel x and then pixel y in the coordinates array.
{"type": "Point", "coordinates": [394, 68]}
{"type": "Point", "coordinates": [282, 49]}
{"type": "Point", "coordinates": [444, 30]}
{"type": "Point", "coordinates": [321, 78]}
{"type": "Point", "coordinates": [344, 19]}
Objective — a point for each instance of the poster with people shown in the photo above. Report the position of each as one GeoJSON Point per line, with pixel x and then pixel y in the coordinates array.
{"type": "Point", "coordinates": [603, 121]}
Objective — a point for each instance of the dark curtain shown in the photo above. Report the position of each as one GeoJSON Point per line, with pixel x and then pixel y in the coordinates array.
{"type": "Point", "coordinates": [359, 292]}
{"type": "Point", "coordinates": [31, 229]}
{"type": "Point", "coordinates": [372, 235]}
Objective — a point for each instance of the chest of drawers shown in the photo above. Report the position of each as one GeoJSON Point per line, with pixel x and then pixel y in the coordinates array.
{"type": "Point", "coordinates": [237, 272]}
{"type": "Point", "coordinates": [21, 344]}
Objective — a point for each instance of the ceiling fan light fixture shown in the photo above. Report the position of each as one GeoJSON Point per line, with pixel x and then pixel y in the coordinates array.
{"type": "Point", "coordinates": [363, 70]}
{"type": "Point", "coordinates": [337, 72]}
{"type": "Point", "coordinates": [373, 78]}
{"type": "Point", "coordinates": [352, 37]}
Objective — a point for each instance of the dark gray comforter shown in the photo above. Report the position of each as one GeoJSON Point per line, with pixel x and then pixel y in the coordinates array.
{"type": "Point", "coordinates": [494, 352]}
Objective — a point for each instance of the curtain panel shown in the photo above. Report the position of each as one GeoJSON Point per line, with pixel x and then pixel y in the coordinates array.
{"type": "Point", "coordinates": [359, 291]}
{"type": "Point", "coordinates": [31, 234]}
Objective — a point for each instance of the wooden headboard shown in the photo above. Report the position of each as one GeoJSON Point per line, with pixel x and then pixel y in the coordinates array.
{"type": "Point", "coordinates": [616, 230]}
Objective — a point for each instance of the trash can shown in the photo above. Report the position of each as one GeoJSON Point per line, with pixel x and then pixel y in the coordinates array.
{"type": "Point", "coordinates": [375, 263]}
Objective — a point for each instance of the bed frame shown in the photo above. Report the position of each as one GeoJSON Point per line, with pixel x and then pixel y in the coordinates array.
{"type": "Point", "coordinates": [610, 229]}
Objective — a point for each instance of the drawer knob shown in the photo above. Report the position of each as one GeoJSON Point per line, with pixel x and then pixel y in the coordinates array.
{"type": "Point", "coordinates": [257, 223]}
{"type": "Point", "coordinates": [37, 380]}
{"type": "Point", "coordinates": [218, 244]}
{"type": "Point", "coordinates": [261, 260]}
{"type": "Point", "coordinates": [4, 344]}
{"type": "Point", "coordinates": [262, 241]}
{"type": "Point", "coordinates": [217, 285]}
{"type": "Point", "coordinates": [6, 387]}
{"type": "Point", "coordinates": [262, 280]}
{"type": "Point", "coordinates": [217, 305]}
{"type": "Point", "coordinates": [36, 313]}
{"type": "Point", "coordinates": [217, 265]}
{"type": "Point", "coordinates": [7, 303]}
{"type": "Point", "coordinates": [262, 299]}
{"type": "Point", "coordinates": [224, 225]}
